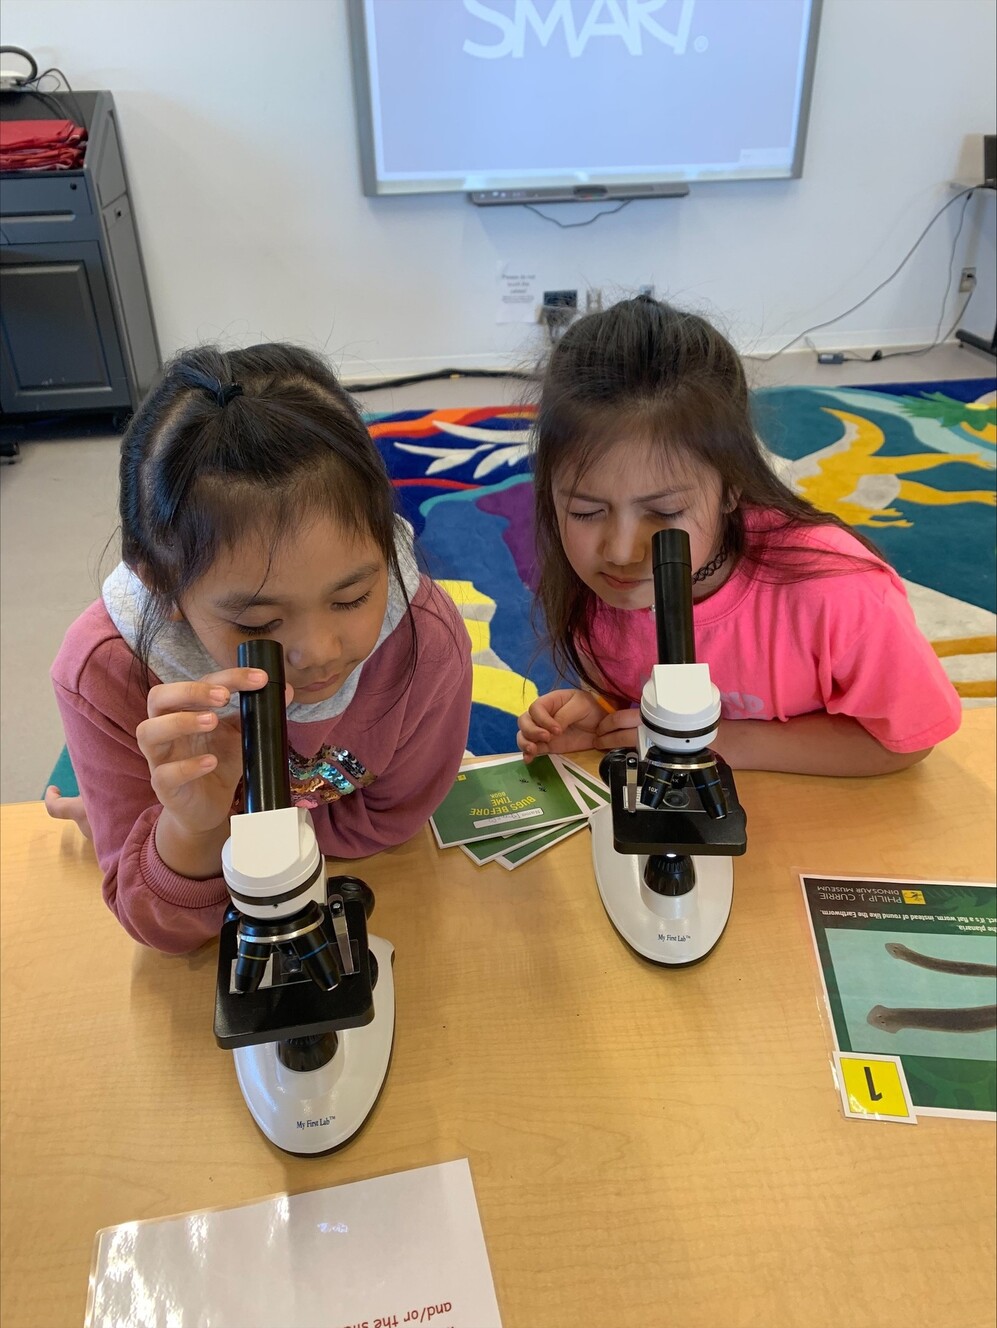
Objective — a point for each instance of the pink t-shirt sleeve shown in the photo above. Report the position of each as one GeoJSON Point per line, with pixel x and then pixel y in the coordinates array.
{"type": "Point", "coordinates": [845, 643]}
{"type": "Point", "coordinates": [878, 667]}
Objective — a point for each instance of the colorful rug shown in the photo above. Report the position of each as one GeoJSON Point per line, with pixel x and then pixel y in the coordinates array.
{"type": "Point", "coordinates": [910, 464]}
{"type": "Point", "coordinates": [463, 481]}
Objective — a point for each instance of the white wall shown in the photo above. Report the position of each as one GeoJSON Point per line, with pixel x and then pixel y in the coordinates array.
{"type": "Point", "coordinates": [238, 126]}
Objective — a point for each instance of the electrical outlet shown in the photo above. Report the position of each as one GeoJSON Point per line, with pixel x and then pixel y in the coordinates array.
{"type": "Point", "coordinates": [593, 300]}
{"type": "Point", "coordinates": [558, 309]}
{"type": "Point", "coordinates": [560, 299]}
{"type": "Point", "coordinates": [967, 278]}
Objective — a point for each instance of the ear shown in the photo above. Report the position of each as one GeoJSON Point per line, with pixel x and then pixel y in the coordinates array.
{"type": "Point", "coordinates": [731, 500]}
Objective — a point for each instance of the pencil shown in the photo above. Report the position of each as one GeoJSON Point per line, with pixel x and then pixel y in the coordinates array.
{"type": "Point", "coordinates": [609, 709]}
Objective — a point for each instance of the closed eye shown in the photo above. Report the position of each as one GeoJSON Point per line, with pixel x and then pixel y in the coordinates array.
{"type": "Point", "coordinates": [584, 516]}
{"type": "Point", "coordinates": [353, 603]}
{"type": "Point", "coordinates": [248, 630]}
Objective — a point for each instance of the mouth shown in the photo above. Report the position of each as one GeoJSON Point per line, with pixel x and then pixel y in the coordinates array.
{"type": "Point", "coordinates": [625, 582]}
{"type": "Point", "coordinates": [321, 686]}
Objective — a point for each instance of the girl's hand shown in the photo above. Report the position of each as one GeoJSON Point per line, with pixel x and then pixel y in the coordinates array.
{"type": "Point", "coordinates": [562, 721]}
{"type": "Point", "coordinates": [618, 730]}
{"type": "Point", "coordinates": [195, 758]}
{"type": "Point", "coordinates": [67, 809]}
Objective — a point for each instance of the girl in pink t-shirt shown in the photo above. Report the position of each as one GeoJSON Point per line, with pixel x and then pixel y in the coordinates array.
{"type": "Point", "coordinates": [253, 504]}
{"type": "Point", "coordinates": [644, 423]}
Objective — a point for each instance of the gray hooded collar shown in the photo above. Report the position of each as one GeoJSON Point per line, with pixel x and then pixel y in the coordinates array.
{"type": "Point", "coordinates": [178, 656]}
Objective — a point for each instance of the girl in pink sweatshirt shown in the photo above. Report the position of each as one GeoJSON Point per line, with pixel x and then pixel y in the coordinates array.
{"type": "Point", "coordinates": [254, 503]}
{"type": "Point", "coordinates": [644, 423]}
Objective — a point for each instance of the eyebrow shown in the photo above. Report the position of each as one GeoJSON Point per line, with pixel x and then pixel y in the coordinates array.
{"type": "Point", "coordinates": [644, 498]}
{"type": "Point", "coordinates": [238, 602]}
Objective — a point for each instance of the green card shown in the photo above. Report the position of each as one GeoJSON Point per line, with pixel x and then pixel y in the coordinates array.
{"type": "Point", "coordinates": [515, 857]}
{"type": "Point", "coordinates": [505, 796]}
{"type": "Point", "coordinates": [592, 789]}
{"type": "Point", "coordinates": [487, 850]}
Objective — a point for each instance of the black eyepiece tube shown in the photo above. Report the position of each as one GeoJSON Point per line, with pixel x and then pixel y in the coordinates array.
{"type": "Point", "coordinates": [672, 566]}
{"type": "Point", "coordinates": [266, 782]}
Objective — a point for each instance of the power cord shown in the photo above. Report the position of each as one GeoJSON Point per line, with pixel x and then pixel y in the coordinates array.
{"type": "Point", "coordinates": [938, 339]}
{"type": "Point", "coordinates": [378, 384]}
{"type": "Point", "coordinates": [573, 225]}
{"type": "Point", "coordinates": [964, 194]}
{"type": "Point", "coordinates": [32, 87]}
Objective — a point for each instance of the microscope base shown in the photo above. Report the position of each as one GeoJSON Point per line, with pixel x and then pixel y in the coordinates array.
{"type": "Point", "coordinates": [668, 930]}
{"type": "Point", "coordinates": [315, 1111]}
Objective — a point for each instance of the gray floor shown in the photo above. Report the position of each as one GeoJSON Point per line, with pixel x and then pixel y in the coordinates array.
{"type": "Point", "coordinates": [58, 514]}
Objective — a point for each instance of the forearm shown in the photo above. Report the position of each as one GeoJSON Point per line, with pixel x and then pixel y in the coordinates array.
{"type": "Point", "coordinates": [155, 905]}
{"type": "Point", "coordinates": [196, 856]}
{"type": "Point", "coordinates": [173, 905]}
{"type": "Point", "coordinates": [817, 744]}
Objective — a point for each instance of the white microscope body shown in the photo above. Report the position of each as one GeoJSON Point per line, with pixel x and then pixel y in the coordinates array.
{"type": "Point", "coordinates": [304, 997]}
{"type": "Point", "coordinates": [662, 848]}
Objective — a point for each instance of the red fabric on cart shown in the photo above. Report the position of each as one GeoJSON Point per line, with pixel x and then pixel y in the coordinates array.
{"type": "Point", "coordinates": [41, 145]}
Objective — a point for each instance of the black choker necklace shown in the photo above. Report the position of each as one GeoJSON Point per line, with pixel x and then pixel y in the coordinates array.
{"type": "Point", "coordinates": [712, 566]}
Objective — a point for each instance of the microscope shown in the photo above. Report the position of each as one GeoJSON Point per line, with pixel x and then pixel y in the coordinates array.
{"type": "Point", "coordinates": [662, 847]}
{"type": "Point", "coordinates": [295, 998]}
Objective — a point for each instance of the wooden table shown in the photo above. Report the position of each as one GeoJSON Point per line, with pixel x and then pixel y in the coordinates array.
{"type": "Point", "coordinates": [649, 1147]}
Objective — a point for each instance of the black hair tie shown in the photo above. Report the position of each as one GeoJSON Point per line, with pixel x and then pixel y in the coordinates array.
{"type": "Point", "coordinates": [225, 394]}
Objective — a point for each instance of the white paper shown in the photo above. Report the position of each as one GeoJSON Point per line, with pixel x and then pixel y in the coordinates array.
{"type": "Point", "coordinates": [390, 1252]}
{"type": "Point", "coordinates": [518, 295]}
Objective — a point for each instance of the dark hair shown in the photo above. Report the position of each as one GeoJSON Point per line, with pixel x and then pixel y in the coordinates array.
{"type": "Point", "coordinates": [202, 463]}
{"type": "Point", "coordinates": [679, 385]}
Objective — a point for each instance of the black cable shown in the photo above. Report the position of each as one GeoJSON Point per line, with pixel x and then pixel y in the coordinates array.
{"type": "Point", "coordinates": [81, 119]}
{"type": "Point", "coordinates": [764, 359]}
{"type": "Point", "coordinates": [938, 339]}
{"type": "Point", "coordinates": [25, 55]}
{"type": "Point", "coordinates": [573, 225]}
{"type": "Point", "coordinates": [378, 384]}
{"type": "Point", "coordinates": [31, 87]}
{"type": "Point", "coordinates": [923, 350]}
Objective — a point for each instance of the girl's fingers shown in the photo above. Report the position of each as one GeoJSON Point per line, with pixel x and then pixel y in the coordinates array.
{"type": "Point", "coordinates": [58, 807]}
{"type": "Point", "coordinates": [580, 708]}
{"type": "Point", "coordinates": [213, 691]}
{"type": "Point", "coordinates": [539, 722]}
{"type": "Point", "coordinates": [553, 713]}
{"type": "Point", "coordinates": [170, 778]}
{"type": "Point", "coordinates": [542, 716]}
{"type": "Point", "coordinates": [620, 721]}
{"type": "Point", "coordinates": [67, 809]}
{"type": "Point", "coordinates": [531, 732]}
{"type": "Point", "coordinates": [153, 735]}
{"type": "Point", "coordinates": [531, 749]}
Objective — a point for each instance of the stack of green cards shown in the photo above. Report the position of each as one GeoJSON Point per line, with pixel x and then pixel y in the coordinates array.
{"type": "Point", "coordinates": [503, 810]}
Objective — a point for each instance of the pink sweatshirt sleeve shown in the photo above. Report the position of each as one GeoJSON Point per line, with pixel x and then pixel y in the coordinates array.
{"type": "Point", "coordinates": [102, 703]}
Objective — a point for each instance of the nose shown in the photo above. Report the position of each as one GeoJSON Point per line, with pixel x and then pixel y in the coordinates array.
{"type": "Point", "coordinates": [317, 649]}
{"type": "Point", "coordinates": [623, 544]}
